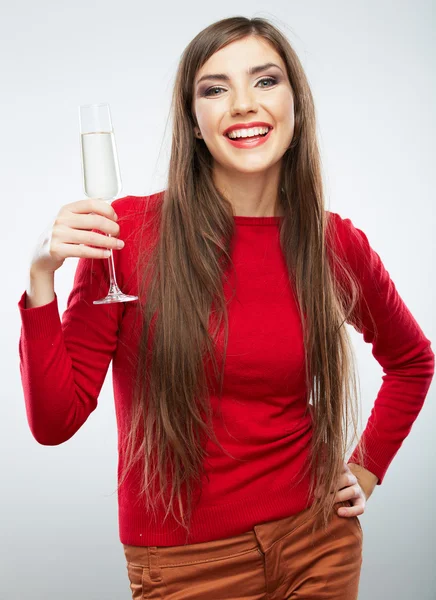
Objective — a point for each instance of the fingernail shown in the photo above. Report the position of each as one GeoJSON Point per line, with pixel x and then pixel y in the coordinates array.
{"type": "Point", "coordinates": [120, 244]}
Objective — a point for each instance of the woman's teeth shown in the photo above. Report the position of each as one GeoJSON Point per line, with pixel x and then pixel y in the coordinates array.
{"type": "Point", "coordinates": [243, 133]}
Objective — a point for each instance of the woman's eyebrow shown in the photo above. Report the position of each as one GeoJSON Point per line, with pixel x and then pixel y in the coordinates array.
{"type": "Point", "coordinates": [250, 71]}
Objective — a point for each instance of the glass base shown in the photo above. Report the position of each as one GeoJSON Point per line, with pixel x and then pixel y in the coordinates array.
{"type": "Point", "coordinates": [115, 297]}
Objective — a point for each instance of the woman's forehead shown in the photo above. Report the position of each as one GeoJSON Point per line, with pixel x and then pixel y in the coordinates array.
{"type": "Point", "coordinates": [240, 56]}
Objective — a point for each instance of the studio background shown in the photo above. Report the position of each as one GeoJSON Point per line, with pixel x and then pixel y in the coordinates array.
{"type": "Point", "coordinates": [371, 67]}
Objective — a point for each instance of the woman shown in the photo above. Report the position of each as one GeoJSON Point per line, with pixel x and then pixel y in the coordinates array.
{"type": "Point", "coordinates": [232, 484]}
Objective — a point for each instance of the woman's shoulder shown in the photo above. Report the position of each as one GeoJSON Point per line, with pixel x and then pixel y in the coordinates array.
{"type": "Point", "coordinates": [136, 206]}
{"type": "Point", "coordinates": [348, 240]}
{"type": "Point", "coordinates": [343, 229]}
{"type": "Point", "coordinates": [337, 222]}
{"type": "Point", "coordinates": [138, 214]}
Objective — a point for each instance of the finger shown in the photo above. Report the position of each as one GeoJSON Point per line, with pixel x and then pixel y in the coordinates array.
{"type": "Point", "coordinates": [349, 493]}
{"type": "Point", "coordinates": [347, 479]}
{"type": "Point", "coordinates": [92, 238]}
{"type": "Point", "coordinates": [82, 251]}
{"type": "Point", "coordinates": [94, 221]}
{"type": "Point", "coordinates": [92, 205]}
{"type": "Point", "coordinates": [88, 222]}
{"type": "Point", "coordinates": [357, 508]}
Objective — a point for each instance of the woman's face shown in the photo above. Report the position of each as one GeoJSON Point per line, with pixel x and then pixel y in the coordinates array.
{"type": "Point", "coordinates": [232, 96]}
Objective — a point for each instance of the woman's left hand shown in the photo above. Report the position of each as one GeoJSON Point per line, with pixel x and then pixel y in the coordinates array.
{"type": "Point", "coordinates": [356, 488]}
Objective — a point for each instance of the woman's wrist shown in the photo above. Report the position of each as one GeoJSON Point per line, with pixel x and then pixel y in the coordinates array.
{"type": "Point", "coordinates": [366, 479]}
{"type": "Point", "coordinates": [40, 290]}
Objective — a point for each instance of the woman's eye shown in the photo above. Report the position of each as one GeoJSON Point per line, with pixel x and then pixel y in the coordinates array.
{"type": "Point", "coordinates": [271, 80]}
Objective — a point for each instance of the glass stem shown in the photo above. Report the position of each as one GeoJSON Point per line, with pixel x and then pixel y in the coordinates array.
{"type": "Point", "coordinates": [113, 288]}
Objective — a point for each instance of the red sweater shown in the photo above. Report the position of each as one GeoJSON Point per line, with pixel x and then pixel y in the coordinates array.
{"type": "Point", "coordinates": [64, 362]}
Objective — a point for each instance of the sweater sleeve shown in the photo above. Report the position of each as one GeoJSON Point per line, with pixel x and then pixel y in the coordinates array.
{"type": "Point", "coordinates": [398, 344]}
{"type": "Point", "coordinates": [63, 364]}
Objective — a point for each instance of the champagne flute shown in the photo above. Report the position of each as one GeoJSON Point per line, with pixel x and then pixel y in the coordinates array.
{"type": "Point", "coordinates": [101, 173]}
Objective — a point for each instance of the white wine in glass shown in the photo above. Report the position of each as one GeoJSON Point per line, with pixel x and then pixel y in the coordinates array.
{"type": "Point", "coordinates": [101, 173]}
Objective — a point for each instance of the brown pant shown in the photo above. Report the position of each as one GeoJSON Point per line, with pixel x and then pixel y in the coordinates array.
{"type": "Point", "coordinates": [278, 560]}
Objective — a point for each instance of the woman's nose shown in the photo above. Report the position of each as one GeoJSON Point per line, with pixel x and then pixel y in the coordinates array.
{"type": "Point", "coordinates": [243, 102]}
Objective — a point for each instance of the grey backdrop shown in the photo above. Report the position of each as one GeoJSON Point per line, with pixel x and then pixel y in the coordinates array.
{"type": "Point", "coordinates": [371, 65]}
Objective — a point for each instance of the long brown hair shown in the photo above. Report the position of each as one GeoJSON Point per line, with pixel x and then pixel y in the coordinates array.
{"type": "Point", "coordinates": [181, 278]}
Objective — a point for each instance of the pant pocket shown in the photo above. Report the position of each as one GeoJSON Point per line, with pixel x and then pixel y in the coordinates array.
{"type": "Point", "coordinates": [135, 575]}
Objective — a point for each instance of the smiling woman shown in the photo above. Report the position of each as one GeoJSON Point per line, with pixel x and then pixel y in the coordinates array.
{"type": "Point", "coordinates": [233, 374]}
{"type": "Point", "coordinates": [246, 169]}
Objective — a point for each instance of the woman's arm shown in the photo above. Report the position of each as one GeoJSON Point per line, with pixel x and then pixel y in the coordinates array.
{"type": "Point", "coordinates": [398, 344]}
{"type": "Point", "coordinates": [63, 362]}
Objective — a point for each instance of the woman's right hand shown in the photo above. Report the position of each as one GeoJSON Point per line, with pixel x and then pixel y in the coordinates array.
{"type": "Point", "coordinates": [71, 233]}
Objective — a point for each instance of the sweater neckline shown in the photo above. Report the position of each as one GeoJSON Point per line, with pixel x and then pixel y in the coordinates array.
{"type": "Point", "coordinates": [240, 220]}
